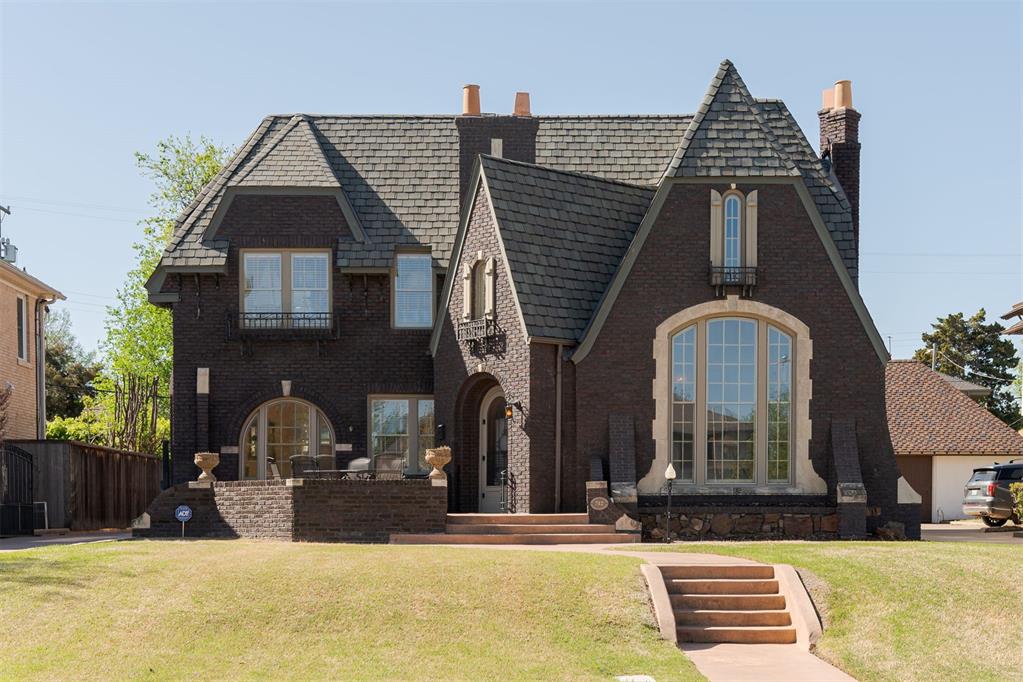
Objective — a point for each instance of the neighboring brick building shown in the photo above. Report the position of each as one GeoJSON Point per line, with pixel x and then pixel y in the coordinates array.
{"type": "Point", "coordinates": [23, 300]}
{"type": "Point", "coordinates": [559, 298]}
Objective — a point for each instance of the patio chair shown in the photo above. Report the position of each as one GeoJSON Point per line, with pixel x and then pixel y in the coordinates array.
{"type": "Point", "coordinates": [388, 467]}
{"type": "Point", "coordinates": [302, 464]}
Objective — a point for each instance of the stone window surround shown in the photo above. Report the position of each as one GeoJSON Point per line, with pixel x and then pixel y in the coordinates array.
{"type": "Point", "coordinates": [478, 296]}
{"type": "Point", "coordinates": [747, 226]}
{"type": "Point", "coordinates": [806, 480]}
{"type": "Point", "coordinates": [286, 282]}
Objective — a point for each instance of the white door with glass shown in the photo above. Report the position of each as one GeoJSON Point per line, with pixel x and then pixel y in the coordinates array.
{"type": "Point", "coordinates": [284, 439]}
{"type": "Point", "coordinates": [493, 451]}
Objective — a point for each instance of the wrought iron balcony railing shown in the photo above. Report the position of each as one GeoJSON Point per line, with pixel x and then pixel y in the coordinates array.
{"type": "Point", "coordinates": [283, 325]}
{"type": "Point", "coordinates": [733, 276]}
{"type": "Point", "coordinates": [476, 330]}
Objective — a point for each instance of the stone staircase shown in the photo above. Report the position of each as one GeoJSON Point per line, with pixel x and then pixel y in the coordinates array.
{"type": "Point", "coordinates": [518, 529]}
{"type": "Point", "coordinates": [738, 604]}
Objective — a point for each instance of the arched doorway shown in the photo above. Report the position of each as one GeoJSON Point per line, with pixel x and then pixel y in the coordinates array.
{"type": "Point", "coordinates": [284, 437]}
{"type": "Point", "coordinates": [493, 452]}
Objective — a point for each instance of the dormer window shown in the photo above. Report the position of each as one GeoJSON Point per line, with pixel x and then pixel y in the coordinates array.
{"type": "Point", "coordinates": [733, 240]}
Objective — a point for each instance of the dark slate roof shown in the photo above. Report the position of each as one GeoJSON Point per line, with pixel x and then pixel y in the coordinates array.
{"type": "Point", "coordinates": [729, 136]}
{"type": "Point", "coordinates": [928, 416]}
{"type": "Point", "coordinates": [564, 235]}
{"type": "Point", "coordinates": [400, 173]}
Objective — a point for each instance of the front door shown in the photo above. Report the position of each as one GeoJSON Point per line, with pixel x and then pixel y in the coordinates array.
{"type": "Point", "coordinates": [493, 452]}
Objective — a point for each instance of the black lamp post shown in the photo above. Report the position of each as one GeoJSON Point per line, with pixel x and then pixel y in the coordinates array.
{"type": "Point", "coordinates": [669, 476]}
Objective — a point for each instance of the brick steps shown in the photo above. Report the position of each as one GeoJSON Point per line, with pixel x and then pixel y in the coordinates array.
{"type": "Point", "coordinates": [518, 529]}
{"type": "Point", "coordinates": [738, 604]}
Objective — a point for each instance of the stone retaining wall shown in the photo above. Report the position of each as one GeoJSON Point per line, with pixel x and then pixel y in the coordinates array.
{"type": "Point", "coordinates": [704, 523]}
{"type": "Point", "coordinates": [301, 510]}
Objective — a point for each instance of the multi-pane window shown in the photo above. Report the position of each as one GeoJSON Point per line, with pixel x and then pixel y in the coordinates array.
{"type": "Point", "coordinates": [779, 403]}
{"type": "Point", "coordinates": [733, 231]}
{"type": "Point", "coordinates": [683, 403]}
{"type": "Point", "coordinates": [21, 315]}
{"type": "Point", "coordinates": [413, 291]}
{"type": "Point", "coordinates": [285, 438]}
{"type": "Point", "coordinates": [401, 428]}
{"type": "Point", "coordinates": [731, 400]}
{"type": "Point", "coordinates": [286, 288]}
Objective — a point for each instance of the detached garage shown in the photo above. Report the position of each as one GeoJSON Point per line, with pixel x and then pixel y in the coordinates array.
{"type": "Point", "coordinates": [940, 435]}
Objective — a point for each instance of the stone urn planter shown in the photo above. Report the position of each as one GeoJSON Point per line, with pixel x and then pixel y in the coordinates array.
{"type": "Point", "coordinates": [207, 461]}
{"type": "Point", "coordinates": [438, 459]}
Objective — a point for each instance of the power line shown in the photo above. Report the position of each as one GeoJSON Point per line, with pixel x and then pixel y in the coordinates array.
{"type": "Point", "coordinates": [77, 215]}
{"type": "Point", "coordinates": [74, 204]}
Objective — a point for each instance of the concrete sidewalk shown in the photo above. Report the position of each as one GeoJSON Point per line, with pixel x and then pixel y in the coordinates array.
{"type": "Point", "coordinates": [19, 542]}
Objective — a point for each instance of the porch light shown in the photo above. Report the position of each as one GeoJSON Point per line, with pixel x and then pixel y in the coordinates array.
{"type": "Point", "coordinates": [669, 477]}
{"type": "Point", "coordinates": [669, 473]}
{"type": "Point", "coordinates": [509, 411]}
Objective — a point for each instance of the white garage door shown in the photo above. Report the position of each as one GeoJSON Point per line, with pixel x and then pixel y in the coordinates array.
{"type": "Point", "coordinates": [949, 475]}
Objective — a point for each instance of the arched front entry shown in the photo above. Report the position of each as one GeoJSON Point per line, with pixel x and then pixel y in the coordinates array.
{"type": "Point", "coordinates": [493, 452]}
{"type": "Point", "coordinates": [282, 437]}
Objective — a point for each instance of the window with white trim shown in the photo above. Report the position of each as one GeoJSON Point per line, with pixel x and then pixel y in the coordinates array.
{"type": "Point", "coordinates": [413, 291]}
{"type": "Point", "coordinates": [22, 321]}
{"type": "Point", "coordinates": [401, 427]}
{"type": "Point", "coordinates": [731, 399]}
{"type": "Point", "coordinates": [733, 229]}
{"type": "Point", "coordinates": [286, 288]}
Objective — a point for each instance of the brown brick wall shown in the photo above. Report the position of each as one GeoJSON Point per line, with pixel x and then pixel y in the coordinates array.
{"type": "Point", "coordinates": [795, 275]}
{"type": "Point", "coordinates": [840, 132]}
{"type": "Point", "coordinates": [518, 135]}
{"type": "Point", "coordinates": [315, 511]}
{"type": "Point", "coordinates": [21, 409]}
{"type": "Point", "coordinates": [337, 375]}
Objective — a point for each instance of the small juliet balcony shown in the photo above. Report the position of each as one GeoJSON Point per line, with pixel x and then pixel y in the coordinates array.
{"type": "Point", "coordinates": [283, 326]}
{"type": "Point", "coordinates": [723, 277]}
{"type": "Point", "coordinates": [476, 330]}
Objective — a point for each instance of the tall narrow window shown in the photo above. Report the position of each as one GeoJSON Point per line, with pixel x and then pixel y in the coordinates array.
{"type": "Point", "coordinates": [683, 397]}
{"type": "Point", "coordinates": [779, 404]}
{"type": "Point", "coordinates": [413, 291]}
{"type": "Point", "coordinates": [21, 313]}
{"type": "Point", "coordinates": [309, 289]}
{"type": "Point", "coordinates": [262, 283]}
{"type": "Point", "coordinates": [731, 400]}
{"type": "Point", "coordinates": [733, 231]}
{"type": "Point", "coordinates": [479, 290]}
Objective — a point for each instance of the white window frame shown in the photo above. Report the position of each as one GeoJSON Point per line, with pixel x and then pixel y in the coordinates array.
{"type": "Point", "coordinates": [23, 334]}
{"type": "Point", "coordinates": [399, 257]}
{"type": "Point", "coordinates": [411, 466]}
{"type": "Point", "coordinates": [286, 257]}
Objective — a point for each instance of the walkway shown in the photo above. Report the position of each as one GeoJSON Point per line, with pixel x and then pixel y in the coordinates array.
{"type": "Point", "coordinates": [18, 542]}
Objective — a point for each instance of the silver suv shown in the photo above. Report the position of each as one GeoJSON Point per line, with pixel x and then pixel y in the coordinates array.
{"type": "Point", "coordinates": [987, 493]}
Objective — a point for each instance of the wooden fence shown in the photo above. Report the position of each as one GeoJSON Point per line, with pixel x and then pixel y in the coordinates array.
{"type": "Point", "coordinates": [88, 487]}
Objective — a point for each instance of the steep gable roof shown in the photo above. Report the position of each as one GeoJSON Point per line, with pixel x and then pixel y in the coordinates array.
{"type": "Point", "coordinates": [928, 416]}
{"type": "Point", "coordinates": [294, 158]}
{"type": "Point", "coordinates": [729, 136]}
{"type": "Point", "coordinates": [564, 235]}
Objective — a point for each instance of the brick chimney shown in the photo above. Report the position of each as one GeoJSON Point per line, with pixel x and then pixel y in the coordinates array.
{"type": "Point", "coordinates": [840, 141]}
{"type": "Point", "coordinates": [511, 136]}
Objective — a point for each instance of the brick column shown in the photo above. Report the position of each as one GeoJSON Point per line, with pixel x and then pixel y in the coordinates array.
{"type": "Point", "coordinates": [202, 409]}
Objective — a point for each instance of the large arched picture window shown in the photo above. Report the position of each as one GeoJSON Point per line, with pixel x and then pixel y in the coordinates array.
{"type": "Point", "coordinates": [284, 438]}
{"type": "Point", "coordinates": [731, 400]}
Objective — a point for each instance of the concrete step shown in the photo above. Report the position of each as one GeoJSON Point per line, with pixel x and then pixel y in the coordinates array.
{"type": "Point", "coordinates": [687, 617]}
{"type": "Point", "coordinates": [502, 519]}
{"type": "Point", "coordinates": [513, 539]}
{"type": "Point", "coordinates": [723, 602]}
{"type": "Point", "coordinates": [743, 571]}
{"type": "Point", "coordinates": [751, 635]}
{"type": "Point", "coordinates": [519, 528]}
{"type": "Point", "coordinates": [722, 586]}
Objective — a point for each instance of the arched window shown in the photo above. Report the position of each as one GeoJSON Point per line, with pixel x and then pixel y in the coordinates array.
{"type": "Point", "coordinates": [479, 290]}
{"type": "Point", "coordinates": [731, 400]}
{"type": "Point", "coordinates": [733, 231]}
{"type": "Point", "coordinates": [283, 438]}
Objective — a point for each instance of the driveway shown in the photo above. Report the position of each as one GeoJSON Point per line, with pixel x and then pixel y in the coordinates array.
{"type": "Point", "coordinates": [31, 542]}
{"type": "Point", "coordinates": [970, 531]}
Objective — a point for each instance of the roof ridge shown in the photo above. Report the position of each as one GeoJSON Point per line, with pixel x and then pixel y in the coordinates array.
{"type": "Point", "coordinates": [725, 69]}
{"type": "Point", "coordinates": [561, 171]}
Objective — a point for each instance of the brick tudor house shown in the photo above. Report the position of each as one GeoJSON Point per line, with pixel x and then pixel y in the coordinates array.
{"type": "Point", "coordinates": [561, 299]}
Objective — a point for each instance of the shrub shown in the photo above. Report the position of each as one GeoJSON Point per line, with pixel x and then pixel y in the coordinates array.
{"type": "Point", "coordinates": [1017, 498]}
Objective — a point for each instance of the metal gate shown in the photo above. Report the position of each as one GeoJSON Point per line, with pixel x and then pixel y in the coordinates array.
{"type": "Point", "coordinates": [15, 491]}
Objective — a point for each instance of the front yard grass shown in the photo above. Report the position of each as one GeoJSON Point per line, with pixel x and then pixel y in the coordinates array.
{"type": "Point", "coordinates": [909, 610]}
{"type": "Point", "coordinates": [243, 609]}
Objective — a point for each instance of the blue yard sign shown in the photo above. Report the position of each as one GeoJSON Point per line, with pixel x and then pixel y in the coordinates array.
{"type": "Point", "coordinates": [183, 513]}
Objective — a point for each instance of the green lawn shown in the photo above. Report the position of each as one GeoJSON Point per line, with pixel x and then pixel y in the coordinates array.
{"type": "Point", "coordinates": [230, 609]}
{"type": "Point", "coordinates": [910, 610]}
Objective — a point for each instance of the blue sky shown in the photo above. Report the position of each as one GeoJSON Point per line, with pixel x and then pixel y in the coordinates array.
{"type": "Point", "coordinates": [938, 84]}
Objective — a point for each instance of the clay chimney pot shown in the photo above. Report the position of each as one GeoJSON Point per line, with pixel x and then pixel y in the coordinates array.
{"type": "Point", "coordinates": [828, 99]}
{"type": "Point", "coordinates": [471, 100]}
{"type": "Point", "coordinates": [521, 104]}
{"type": "Point", "coordinates": [843, 95]}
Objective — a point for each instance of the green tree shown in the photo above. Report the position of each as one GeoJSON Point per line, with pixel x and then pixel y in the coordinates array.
{"type": "Point", "coordinates": [138, 335]}
{"type": "Point", "coordinates": [70, 371]}
{"type": "Point", "coordinates": [973, 349]}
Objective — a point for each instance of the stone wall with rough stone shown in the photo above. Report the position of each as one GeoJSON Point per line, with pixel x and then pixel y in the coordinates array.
{"type": "Point", "coordinates": [705, 523]}
{"type": "Point", "coordinates": [301, 510]}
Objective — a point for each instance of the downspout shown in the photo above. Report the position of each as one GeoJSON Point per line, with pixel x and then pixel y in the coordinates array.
{"type": "Point", "coordinates": [557, 429]}
{"type": "Point", "coordinates": [40, 326]}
